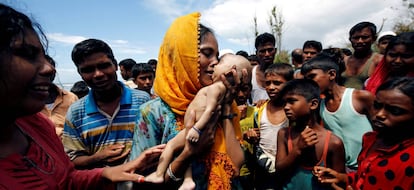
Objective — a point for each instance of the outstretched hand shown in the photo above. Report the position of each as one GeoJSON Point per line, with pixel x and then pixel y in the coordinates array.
{"type": "Point", "coordinates": [126, 172]}
{"type": "Point", "coordinates": [328, 175]}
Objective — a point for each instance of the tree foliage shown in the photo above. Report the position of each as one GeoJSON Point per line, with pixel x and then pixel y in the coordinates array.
{"type": "Point", "coordinates": [276, 23]}
{"type": "Point", "coordinates": [406, 24]}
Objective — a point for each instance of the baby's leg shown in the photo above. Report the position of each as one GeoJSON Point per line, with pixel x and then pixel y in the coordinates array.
{"type": "Point", "coordinates": [193, 134]}
{"type": "Point", "coordinates": [174, 145]}
{"type": "Point", "coordinates": [188, 183]}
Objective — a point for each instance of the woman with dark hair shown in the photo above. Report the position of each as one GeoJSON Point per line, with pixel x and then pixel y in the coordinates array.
{"type": "Point", "coordinates": [186, 60]}
{"type": "Point", "coordinates": [398, 61]}
{"type": "Point", "coordinates": [31, 154]}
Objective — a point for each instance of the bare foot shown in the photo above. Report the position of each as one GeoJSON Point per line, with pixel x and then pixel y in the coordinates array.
{"type": "Point", "coordinates": [154, 178]}
{"type": "Point", "coordinates": [188, 184]}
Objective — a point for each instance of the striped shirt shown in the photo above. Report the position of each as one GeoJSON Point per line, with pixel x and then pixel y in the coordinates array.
{"type": "Point", "coordinates": [88, 129]}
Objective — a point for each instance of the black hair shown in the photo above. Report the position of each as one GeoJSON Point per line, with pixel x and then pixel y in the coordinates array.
{"type": "Point", "coordinates": [405, 38]}
{"type": "Point", "coordinates": [362, 25]}
{"type": "Point", "coordinates": [346, 51]}
{"type": "Point", "coordinates": [243, 53]}
{"type": "Point", "coordinates": [127, 63]}
{"type": "Point", "coordinates": [80, 88]}
{"type": "Point", "coordinates": [403, 84]}
{"type": "Point", "coordinates": [313, 44]}
{"type": "Point", "coordinates": [15, 25]}
{"type": "Point", "coordinates": [325, 62]}
{"type": "Point", "coordinates": [283, 69]}
{"type": "Point", "coordinates": [152, 62]}
{"type": "Point", "coordinates": [140, 68]}
{"type": "Point", "coordinates": [338, 55]}
{"type": "Point", "coordinates": [204, 30]}
{"type": "Point", "coordinates": [253, 57]}
{"type": "Point", "coordinates": [307, 88]}
{"type": "Point", "coordinates": [91, 46]}
{"type": "Point", "coordinates": [263, 39]}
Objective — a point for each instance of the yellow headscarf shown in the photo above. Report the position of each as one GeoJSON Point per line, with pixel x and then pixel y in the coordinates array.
{"type": "Point", "coordinates": [176, 80]}
{"type": "Point", "coordinates": [177, 83]}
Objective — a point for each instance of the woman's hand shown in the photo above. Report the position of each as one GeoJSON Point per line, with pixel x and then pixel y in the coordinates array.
{"type": "Point", "coordinates": [328, 175]}
{"type": "Point", "coordinates": [126, 172]}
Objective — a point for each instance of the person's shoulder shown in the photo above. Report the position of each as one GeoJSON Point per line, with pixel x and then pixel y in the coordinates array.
{"type": "Point", "coordinates": [335, 142]}
{"type": "Point", "coordinates": [70, 95]}
{"type": "Point", "coordinates": [283, 131]}
{"type": "Point", "coordinates": [377, 57]}
{"type": "Point", "coordinates": [363, 95]}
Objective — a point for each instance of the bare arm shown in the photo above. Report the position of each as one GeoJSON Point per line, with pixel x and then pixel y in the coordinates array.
{"type": "Point", "coordinates": [107, 155]}
{"type": "Point", "coordinates": [364, 102]}
{"type": "Point", "coordinates": [337, 154]}
{"type": "Point", "coordinates": [233, 147]}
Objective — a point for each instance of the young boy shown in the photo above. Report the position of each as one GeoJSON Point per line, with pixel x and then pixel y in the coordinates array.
{"type": "Point", "coordinates": [386, 160]}
{"type": "Point", "coordinates": [343, 110]}
{"type": "Point", "coordinates": [203, 104]}
{"type": "Point", "coordinates": [305, 143]}
{"type": "Point", "coordinates": [269, 118]}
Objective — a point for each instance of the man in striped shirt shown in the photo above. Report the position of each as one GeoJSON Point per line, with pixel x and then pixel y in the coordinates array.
{"type": "Point", "coordinates": [99, 128]}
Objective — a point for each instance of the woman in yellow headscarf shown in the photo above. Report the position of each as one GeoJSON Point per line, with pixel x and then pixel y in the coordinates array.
{"type": "Point", "coordinates": [186, 60]}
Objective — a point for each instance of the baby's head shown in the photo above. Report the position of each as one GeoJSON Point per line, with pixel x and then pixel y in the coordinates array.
{"type": "Point", "coordinates": [226, 64]}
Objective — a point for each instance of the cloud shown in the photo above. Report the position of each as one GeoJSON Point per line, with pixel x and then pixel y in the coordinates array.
{"type": "Point", "coordinates": [170, 9]}
{"type": "Point", "coordinates": [325, 21]}
{"type": "Point", "coordinates": [66, 39]}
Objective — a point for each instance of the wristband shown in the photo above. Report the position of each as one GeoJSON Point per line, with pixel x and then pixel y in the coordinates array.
{"type": "Point", "coordinates": [172, 176]}
{"type": "Point", "coordinates": [230, 116]}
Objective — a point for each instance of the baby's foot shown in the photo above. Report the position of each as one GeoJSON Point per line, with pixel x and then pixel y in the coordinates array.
{"type": "Point", "coordinates": [154, 178]}
{"type": "Point", "coordinates": [188, 184]}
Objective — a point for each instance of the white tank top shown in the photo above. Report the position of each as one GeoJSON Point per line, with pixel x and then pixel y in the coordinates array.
{"type": "Point", "coordinates": [258, 92]}
{"type": "Point", "coordinates": [268, 133]}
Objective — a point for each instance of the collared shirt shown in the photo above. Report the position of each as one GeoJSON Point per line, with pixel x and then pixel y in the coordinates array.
{"type": "Point", "coordinates": [89, 130]}
{"type": "Point", "coordinates": [58, 109]}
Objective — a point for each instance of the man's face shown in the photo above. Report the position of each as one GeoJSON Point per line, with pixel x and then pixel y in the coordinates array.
{"type": "Point", "coordinates": [266, 53]}
{"type": "Point", "coordinates": [309, 53]}
{"type": "Point", "coordinates": [144, 81]}
{"type": "Point", "coordinates": [362, 40]}
{"type": "Point", "coordinates": [98, 71]}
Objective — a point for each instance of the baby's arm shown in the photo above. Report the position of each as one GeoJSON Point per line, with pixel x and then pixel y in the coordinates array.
{"type": "Point", "coordinates": [213, 98]}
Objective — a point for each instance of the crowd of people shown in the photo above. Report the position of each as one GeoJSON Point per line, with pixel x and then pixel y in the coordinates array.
{"type": "Point", "coordinates": [197, 119]}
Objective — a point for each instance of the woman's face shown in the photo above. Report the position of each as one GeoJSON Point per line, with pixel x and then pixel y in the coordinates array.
{"type": "Point", "coordinates": [393, 111]}
{"type": "Point", "coordinates": [208, 59]}
{"type": "Point", "coordinates": [26, 77]}
{"type": "Point", "coordinates": [400, 60]}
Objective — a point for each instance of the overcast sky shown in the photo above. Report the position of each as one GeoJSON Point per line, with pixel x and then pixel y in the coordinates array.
{"type": "Point", "coordinates": [135, 28]}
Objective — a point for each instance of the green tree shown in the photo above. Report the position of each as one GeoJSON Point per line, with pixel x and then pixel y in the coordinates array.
{"type": "Point", "coordinates": [406, 24]}
{"type": "Point", "coordinates": [282, 57]}
{"type": "Point", "coordinates": [276, 23]}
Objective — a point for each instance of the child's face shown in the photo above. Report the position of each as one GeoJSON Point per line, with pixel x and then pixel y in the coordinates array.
{"type": "Point", "coordinates": [393, 111]}
{"type": "Point", "coordinates": [321, 77]}
{"type": "Point", "coordinates": [244, 94]}
{"type": "Point", "coordinates": [144, 81]}
{"type": "Point", "coordinates": [273, 84]}
{"type": "Point", "coordinates": [221, 68]}
{"type": "Point", "coordinates": [296, 106]}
